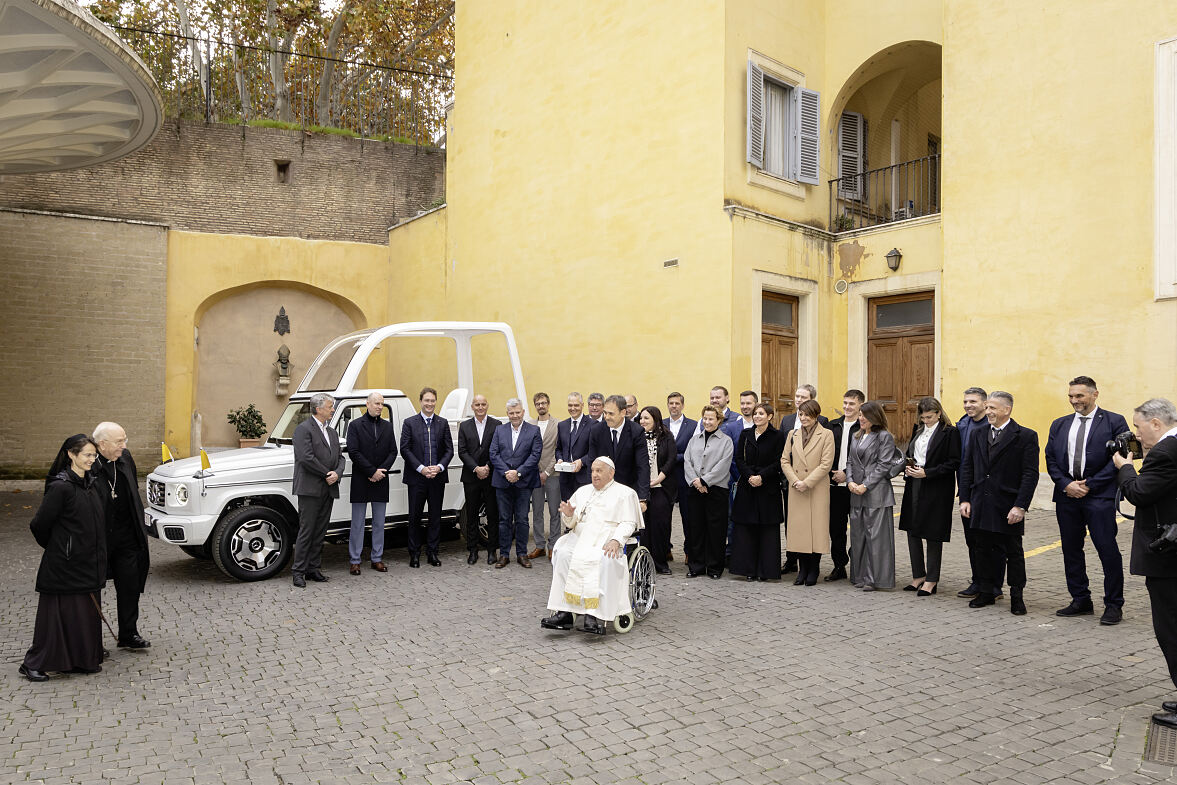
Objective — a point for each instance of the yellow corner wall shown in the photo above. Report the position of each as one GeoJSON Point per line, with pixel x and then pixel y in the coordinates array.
{"type": "Point", "coordinates": [205, 267]}
{"type": "Point", "coordinates": [575, 170]}
{"type": "Point", "coordinates": [1048, 194]}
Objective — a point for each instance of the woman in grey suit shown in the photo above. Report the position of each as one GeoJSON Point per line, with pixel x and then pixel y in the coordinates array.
{"type": "Point", "coordinates": [707, 469]}
{"type": "Point", "coordinates": [872, 462]}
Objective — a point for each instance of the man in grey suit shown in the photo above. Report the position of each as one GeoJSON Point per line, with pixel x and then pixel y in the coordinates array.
{"type": "Point", "coordinates": [318, 466]}
{"type": "Point", "coordinates": [548, 490]}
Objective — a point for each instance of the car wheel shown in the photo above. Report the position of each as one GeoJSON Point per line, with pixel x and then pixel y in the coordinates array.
{"type": "Point", "coordinates": [252, 543]}
{"type": "Point", "coordinates": [197, 551]}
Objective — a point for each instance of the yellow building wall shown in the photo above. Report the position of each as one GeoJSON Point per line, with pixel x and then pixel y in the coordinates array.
{"type": "Point", "coordinates": [202, 268]}
{"type": "Point", "coordinates": [1048, 229]}
{"type": "Point", "coordinates": [575, 169]}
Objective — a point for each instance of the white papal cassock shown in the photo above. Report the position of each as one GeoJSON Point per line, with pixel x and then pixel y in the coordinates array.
{"type": "Point", "coordinates": [584, 579]}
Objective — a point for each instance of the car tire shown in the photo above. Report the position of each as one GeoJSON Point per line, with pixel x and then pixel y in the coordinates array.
{"type": "Point", "coordinates": [198, 551]}
{"type": "Point", "coordinates": [252, 543]}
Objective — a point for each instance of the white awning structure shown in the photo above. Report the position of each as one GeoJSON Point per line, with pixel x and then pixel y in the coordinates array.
{"type": "Point", "coordinates": [72, 94]}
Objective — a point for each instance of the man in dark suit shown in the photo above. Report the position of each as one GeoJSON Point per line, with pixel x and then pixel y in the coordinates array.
{"type": "Point", "coordinates": [996, 486]}
{"type": "Point", "coordinates": [624, 442]}
{"type": "Point", "coordinates": [632, 412]}
{"type": "Point", "coordinates": [318, 467]}
{"type": "Point", "coordinates": [974, 422]}
{"type": "Point", "coordinates": [428, 448]}
{"type": "Point", "coordinates": [1085, 498]}
{"type": "Point", "coordinates": [371, 443]}
{"type": "Point", "coordinates": [806, 392]}
{"type": "Point", "coordinates": [474, 437]}
{"type": "Point", "coordinates": [681, 428]}
{"type": "Point", "coordinates": [515, 451]}
{"type": "Point", "coordinates": [126, 542]}
{"type": "Point", "coordinates": [1154, 492]}
{"type": "Point", "coordinates": [573, 445]}
{"type": "Point", "coordinates": [843, 428]}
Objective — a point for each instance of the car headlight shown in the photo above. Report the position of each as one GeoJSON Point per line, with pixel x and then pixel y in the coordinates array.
{"type": "Point", "coordinates": [182, 494]}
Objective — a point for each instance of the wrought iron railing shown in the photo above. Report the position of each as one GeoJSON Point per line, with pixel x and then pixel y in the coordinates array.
{"type": "Point", "coordinates": [881, 196]}
{"type": "Point", "coordinates": [235, 83]}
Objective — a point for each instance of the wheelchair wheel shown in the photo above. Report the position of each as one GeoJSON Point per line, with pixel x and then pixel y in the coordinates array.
{"type": "Point", "coordinates": [641, 582]}
{"type": "Point", "coordinates": [623, 623]}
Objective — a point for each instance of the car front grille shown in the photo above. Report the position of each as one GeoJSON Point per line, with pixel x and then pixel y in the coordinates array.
{"type": "Point", "coordinates": [155, 493]}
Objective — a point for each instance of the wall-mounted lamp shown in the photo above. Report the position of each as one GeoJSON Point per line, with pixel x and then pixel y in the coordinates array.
{"type": "Point", "coordinates": [893, 259]}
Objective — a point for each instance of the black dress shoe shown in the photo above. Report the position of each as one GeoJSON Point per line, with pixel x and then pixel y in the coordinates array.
{"type": "Point", "coordinates": [136, 641]}
{"type": "Point", "coordinates": [472, 558]}
{"type": "Point", "coordinates": [837, 574]}
{"type": "Point", "coordinates": [1111, 615]}
{"type": "Point", "coordinates": [414, 561]}
{"type": "Point", "coordinates": [714, 575]}
{"type": "Point", "coordinates": [1017, 606]}
{"type": "Point", "coordinates": [1170, 706]}
{"type": "Point", "coordinates": [560, 620]}
{"type": "Point", "coordinates": [317, 577]}
{"type": "Point", "coordinates": [32, 675]}
{"type": "Point", "coordinates": [800, 579]}
{"type": "Point", "coordinates": [1076, 608]}
{"type": "Point", "coordinates": [692, 574]}
{"type": "Point", "coordinates": [490, 557]}
{"type": "Point", "coordinates": [300, 582]}
{"type": "Point", "coordinates": [750, 578]}
{"type": "Point", "coordinates": [664, 571]}
{"type": "Point", "coordinates": [788, 567]}
{"type": "Point", "coordinates": [981, 600]}
{"type": "Point", "coordinates": [971, 591]}
{"type": "Point", "coordinates": [433, 560]}
{"type": "Point", "coordinates": [593, 625]}
{"type": "Point", "coordinates": [1167, 718]}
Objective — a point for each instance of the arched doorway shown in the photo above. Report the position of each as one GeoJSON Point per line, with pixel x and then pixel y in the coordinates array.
{"type": "Point", "coordinates": [237, 346]}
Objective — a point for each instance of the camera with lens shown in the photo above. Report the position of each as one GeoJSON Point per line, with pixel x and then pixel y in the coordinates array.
{"type": "Point", "coordinates": [1125, 443]}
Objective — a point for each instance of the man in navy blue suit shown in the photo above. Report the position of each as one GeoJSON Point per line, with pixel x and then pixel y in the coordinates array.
{"type": "Point", "coordinates": [427, 448]}
{"type": "Point", "coordinates": [681, 429]}
{"type": "Point", "coordinates": [515, 451]}
{"type": "Point", "coordinates": [573, 444]}
{"type": "Point", "coordinates": [624, 442]}
{"type": "Point", "coordinates": [1085, 498]}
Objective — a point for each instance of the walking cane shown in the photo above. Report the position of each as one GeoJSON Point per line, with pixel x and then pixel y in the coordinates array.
{"type": "Point", "coordinates": [102, 616]}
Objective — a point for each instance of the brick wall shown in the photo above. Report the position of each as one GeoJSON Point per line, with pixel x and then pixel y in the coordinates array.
{"type": "Point", "coordinates": [81, 334]}
{"type": "Point", "coordinates": [222, 178]}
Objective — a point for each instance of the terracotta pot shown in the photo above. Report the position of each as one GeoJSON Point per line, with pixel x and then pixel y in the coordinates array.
{"type": "Point", "coordinates": [250, 442]}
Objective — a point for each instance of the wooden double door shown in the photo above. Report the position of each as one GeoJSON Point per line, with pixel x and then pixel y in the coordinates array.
{"type": "Point", "coordinates": [901, 357]}
{"type": "Point", "coordinates": [778, 353]}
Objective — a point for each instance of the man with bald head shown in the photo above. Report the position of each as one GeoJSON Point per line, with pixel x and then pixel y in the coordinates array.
{"type": "Point", "coordinates": [126, 541]}
{"type": "Point", "coordinates": [590, 575]}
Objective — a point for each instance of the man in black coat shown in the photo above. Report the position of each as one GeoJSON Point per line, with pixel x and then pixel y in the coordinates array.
{"type": "Point", "coordinates": [998, 476]}
{"type": "Point", "coordinates": [843, 428]}
{"type": "Point", "coordinates": [623, 441]}
{"type": "Point", "coordinates": [1154, 492]}
{"type": "Point", "coordinates": [318, 468]}
{"type": "Point", "coordinates": [371, 443]}
{"type": "Point", "coordinates": [128, 559]}
{"type": "Point", "coordinates": [474, 437]}
{"type": "Point", "coordinates": [428, 448]}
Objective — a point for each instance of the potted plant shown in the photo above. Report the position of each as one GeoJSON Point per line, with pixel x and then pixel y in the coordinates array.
{"type": "Point", "coordinates": [249, 424]}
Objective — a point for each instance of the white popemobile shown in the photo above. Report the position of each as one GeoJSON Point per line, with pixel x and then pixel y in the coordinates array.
{"type": "Point", "coordinates": [241, 513]}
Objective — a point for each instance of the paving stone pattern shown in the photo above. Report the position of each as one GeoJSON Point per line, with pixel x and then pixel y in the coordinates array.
{"type": "Point", "coordinates": [444, 676]}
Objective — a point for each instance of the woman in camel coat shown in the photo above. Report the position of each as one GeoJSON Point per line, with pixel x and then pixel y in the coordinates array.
{"type": "Point", "coordinates": [806, 462]}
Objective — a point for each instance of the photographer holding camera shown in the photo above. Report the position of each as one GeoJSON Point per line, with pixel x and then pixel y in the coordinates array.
{"type": "Point", "coordinates": [1154, 550]}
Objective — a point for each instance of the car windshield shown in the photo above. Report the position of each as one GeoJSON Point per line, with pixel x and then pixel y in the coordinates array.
{"type": "Point", "coordinates": [295, 413]}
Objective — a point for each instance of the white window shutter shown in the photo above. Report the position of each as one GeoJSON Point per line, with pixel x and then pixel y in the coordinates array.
{"type": "Point", "coordinates": [755, 146]}
{"type": "Point", "coordinates": [851, 143]}
{"type": "Point", "coordinates": [808, 116]}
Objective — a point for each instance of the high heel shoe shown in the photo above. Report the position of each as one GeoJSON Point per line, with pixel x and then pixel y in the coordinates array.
{"type": "Point", "coordinates": [924, 593]}
{"type": "Point", "coordinates": [915, 587]}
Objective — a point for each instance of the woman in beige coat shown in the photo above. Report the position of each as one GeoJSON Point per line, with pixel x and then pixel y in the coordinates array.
{"type": "Point", "coordinates": [806, 462]}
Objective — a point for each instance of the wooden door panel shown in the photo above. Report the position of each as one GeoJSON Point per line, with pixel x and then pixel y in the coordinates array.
{"type": "Point", "coordinates": [901, 366]}
{"type": "Point", "coordinates": [778, 371]}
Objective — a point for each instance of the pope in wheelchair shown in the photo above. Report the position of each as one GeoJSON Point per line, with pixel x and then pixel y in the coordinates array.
{"type": "Point", "coordinates": [592, 574]}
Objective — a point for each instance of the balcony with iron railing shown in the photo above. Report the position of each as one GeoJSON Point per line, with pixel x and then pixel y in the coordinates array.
{"type": "Point", "coordinates": [881, 196]}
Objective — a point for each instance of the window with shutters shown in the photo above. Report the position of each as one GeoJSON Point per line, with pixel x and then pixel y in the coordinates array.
{"type": "Point", "coordinates": [851, 155]}
{"type": "Point", "coordinates": [782, 124]}
{"type": "Point", "coordinates": [1165, 125]}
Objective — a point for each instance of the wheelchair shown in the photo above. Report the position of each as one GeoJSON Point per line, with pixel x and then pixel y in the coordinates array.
{"type": "Point", "coordinates": [641, 586]}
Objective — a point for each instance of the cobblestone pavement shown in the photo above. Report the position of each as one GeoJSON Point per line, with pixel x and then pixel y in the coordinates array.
{"type": "Point", "coordinates": [444, 675]}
